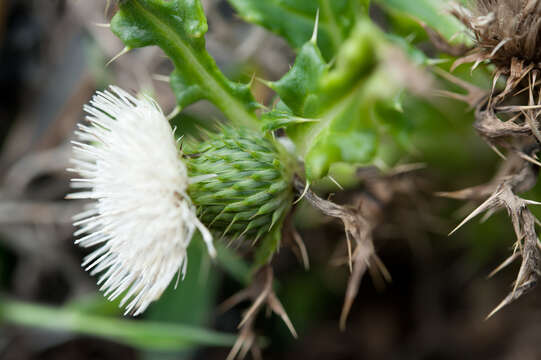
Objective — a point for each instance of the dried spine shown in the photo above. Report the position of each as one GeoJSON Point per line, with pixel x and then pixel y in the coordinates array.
{"type": "Point", "coordinates": [506, 34]}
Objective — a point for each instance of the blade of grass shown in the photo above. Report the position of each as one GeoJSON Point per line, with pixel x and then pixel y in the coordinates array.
{"type": "Point", "coordinates": [140, 334]}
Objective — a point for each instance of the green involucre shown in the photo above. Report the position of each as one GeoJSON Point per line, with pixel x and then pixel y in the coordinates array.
{"type": "Point", "coordinates": [252, 189]}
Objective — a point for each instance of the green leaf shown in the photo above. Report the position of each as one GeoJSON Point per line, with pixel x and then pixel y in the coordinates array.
{"type": "Point", "coordinates": [431, 12]}
{"type": "Point", "coordinates": [233, 264]}
{"type": "Point", "coordinates": [340, 99]}
{"type": "Point", "coordinates": [95, 304]}
{"type": "Point", "coordinates": [294, 19]}
{"type": "Point", "coordinates": [140, 334]}
{"type": "Point", "coordinates": [178, 28]}
{"type": "Point", "coordinates": [298, 86]}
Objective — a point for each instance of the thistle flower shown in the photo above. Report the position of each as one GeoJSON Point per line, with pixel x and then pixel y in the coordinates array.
{"type": "Point", "coordinates": [142, 218]}
{"type": "Point", "coordinates": [503, 30]}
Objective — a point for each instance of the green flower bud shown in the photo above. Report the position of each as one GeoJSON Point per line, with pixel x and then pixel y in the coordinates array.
{"type": "Point", "coordinates": [252, 187]}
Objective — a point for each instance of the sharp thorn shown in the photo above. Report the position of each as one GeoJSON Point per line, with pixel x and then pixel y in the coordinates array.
{"type": "Point", "coordinates": [173, 113]}
{"type": "Point", "coordinates": [484, 206]}
{"type": "Point", "coordinates": [277, 307]}
{"type": "Point", "coordinates": [504, 264]}
{"type": "Point", "coordinates": [122, 52]}
{"type": "Point", "coordinates": [160, 77]}
{"type": "Point", "coordinates": [316, 24]}
{"type": "Point", "coordinates": [501, 305]}
{"type": "Point", "coordinates": [102, 25]}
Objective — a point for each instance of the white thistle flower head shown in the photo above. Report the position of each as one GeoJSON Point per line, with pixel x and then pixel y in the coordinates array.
{"type": "Point", "coordinates": [142, 218]}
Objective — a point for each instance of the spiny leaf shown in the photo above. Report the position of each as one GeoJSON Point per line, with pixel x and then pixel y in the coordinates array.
{"type": "Point", "coordinates": [297, 88]}
{"type": "Point", "coordinates": [277, 119]}
{"type": "Point", "coordinates": [343, 98]}
{"type": "Point", "coordinates": [294, 19]}
{"type": "Point", "coordinates": [178, 28]}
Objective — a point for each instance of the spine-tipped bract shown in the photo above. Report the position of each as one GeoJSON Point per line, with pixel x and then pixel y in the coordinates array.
{"type": "Point", "coordinates": [248, 189]}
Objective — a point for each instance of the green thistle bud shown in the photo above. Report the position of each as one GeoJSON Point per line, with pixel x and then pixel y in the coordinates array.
{"type": "Point", "coordinates": [252, 189]}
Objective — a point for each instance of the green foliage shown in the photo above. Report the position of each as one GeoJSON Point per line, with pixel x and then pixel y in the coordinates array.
{"type": "Point", "coordinates": [431, 12]}
{"type": "Point", "coordinates": [294, 19]}
{"type": "Point", "coordinates": [297, 88]}
{"type": "Point", "coordinates": [233, 264]}
{"type": "Point", "coordinates": [249, 190]}
{"type": "Point", "coordinates": [178, 27]}
{"type": "Point", "coordinates": [342, 100]}
{"type": "Point", "coordinates": [331, 109]}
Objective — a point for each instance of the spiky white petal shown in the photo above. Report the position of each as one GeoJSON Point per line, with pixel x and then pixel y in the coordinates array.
{"type": "Point", "coordinates": [142, 218]}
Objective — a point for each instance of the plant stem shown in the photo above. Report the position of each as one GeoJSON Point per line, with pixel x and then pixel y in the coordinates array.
{"type": "Point", "coordinates": [184, 57]}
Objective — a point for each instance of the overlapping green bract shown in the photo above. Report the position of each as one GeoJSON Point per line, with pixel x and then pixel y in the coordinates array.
{"type": "Point", "coordinates": [251, 190]}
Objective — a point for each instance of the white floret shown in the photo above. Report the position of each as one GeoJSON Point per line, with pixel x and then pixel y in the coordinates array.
{"type": "Point", "coordinates": [141, 218]}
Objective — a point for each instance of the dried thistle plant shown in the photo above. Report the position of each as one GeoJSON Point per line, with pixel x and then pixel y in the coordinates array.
{"type": "Point", "coordinates": [503, 30]}
{"type": "Point", "coordinates": [506, 35]}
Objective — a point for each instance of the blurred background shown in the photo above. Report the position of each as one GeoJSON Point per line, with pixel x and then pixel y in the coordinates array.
{"type": "Point", "coordinates": [53, 56]}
